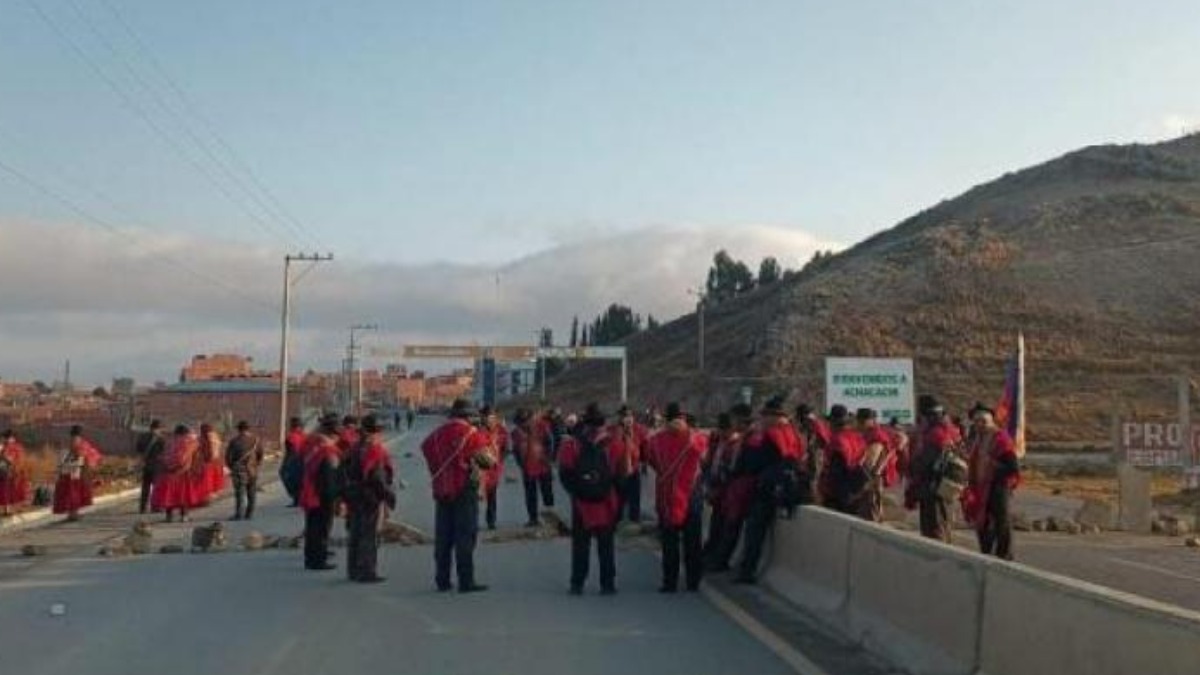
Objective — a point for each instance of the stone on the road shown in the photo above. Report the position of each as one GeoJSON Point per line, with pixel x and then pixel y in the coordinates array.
{"type": "Point", "coordinates": [1192, 542]}
{"type": "Point", "coordinates": [208, 538]}
{"type": "Point", "coordinates": [171, 549]}
{"type": "Point", "coordinates": [253, 541]}
{"type": "Point", "coordinates": [403, 534]}
{"type": "Point", "coordinates": [33, 550]}
{"type": "Point", "coordinates": [141, 540]}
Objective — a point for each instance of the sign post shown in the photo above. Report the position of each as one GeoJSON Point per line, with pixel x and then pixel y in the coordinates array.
{"type": "Point", "coordinates": [883, 385]}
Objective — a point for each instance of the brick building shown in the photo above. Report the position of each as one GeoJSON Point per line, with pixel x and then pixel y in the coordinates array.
{"type": "Point", "coordinates": [213, 367]}
{"type": "Point", "coordinates": [223, 404]}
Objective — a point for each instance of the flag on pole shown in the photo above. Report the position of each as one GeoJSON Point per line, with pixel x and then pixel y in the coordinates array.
{"type": "Point", "coordinates": [1010, 412]}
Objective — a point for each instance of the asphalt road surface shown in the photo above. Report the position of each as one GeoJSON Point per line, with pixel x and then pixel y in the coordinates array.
{"type": "Point", "coordinates": [261, 613]}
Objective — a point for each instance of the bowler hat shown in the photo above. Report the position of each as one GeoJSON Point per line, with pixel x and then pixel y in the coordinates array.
{"type": "Point", "coordinates": [462, 409]}
{"type": "Point", "coordinates": [674, 411]}
{"type": "Point", "coordinates": [593, 416]}
{"type": "Point", "coordinates": [370, 424]}
{"type": "Point", "coordinates": [865, 414]}
{"type": "Point", "coordinates": [243, 425]}
{"type": "Point", "coordinates": [839, 413]}
{"type": "Point", "coordinates": [774, 406]}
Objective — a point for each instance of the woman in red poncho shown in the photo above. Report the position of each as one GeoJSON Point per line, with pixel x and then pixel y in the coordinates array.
{"type": "Point", "coordinates": [14, 476]}
{"type": "Point", "coordinates": [73, 489]}
{"type": "Point", "coordinates": [175, 487]}
{"type": "Point", "coordinates": [210, 465]}
{"type": "Point", "coordinates": [993, 472]}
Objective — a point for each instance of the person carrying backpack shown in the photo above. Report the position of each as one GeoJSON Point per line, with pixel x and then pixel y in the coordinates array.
{"type": "Point", "coordinates": [590, 468]}
{"type": "Point", "coordinates": [675, 454]}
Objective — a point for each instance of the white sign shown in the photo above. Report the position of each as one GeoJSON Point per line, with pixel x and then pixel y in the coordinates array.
{"type": "Point", "coordinates": [883, 385]}
{"type": "Point", "coordinates": [615, 353]}
{"type": "Point", "coordinates": [1157, 444]}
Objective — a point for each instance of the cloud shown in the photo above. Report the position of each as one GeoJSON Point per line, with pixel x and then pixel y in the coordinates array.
{"type": "Point", "coordinates": [140, 304]}
{"type": "Point", "coordinates": [1174, 125]}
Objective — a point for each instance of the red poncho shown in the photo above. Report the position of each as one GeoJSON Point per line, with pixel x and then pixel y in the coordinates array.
{"type": "Point", "coordinates": [983, 455]}
{"type": "Point", "coordinates": [325, 451]}
{"type": "Point", "coordinates": [675, 454]}
{"type": "Point", "coordinates": [448, 454]}
{"type": "Point", "coordinates": [530, 448]}
{"type": "Point", "coordinates": [14, 483]}
{"type": "Point", "coordinates": [600, 515]}
{"type": "Point", "coordinates": [497, 448]}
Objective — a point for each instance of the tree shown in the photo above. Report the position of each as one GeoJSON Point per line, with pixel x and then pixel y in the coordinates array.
{"type": "Point", "coordinates": [575, 331]}
{"type": "Point", "coordinates": [100, 392]}
{"type": "Point", "coordinates": [652, 323]}
{"type": "Point", "coordinates": [769, 271]}
{"type": "Point", "coordinates": [41, 387]}
{"type": "Point", "coordinates": [727, 278]}
{"type": "Point", "coordinates": [615, 324]}
{"type": "Point", "coordinates": [583, 338]}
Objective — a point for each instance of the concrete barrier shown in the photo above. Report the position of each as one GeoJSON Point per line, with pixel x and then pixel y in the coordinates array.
{"type": "Point", "coordinates": [812, 576]}
{"type": "Point", "coordinates": [930, 608]}
{"type": "Point", "coordinates": [914, 602]}
{"type": "Point", "coordinates": [1035, 622]}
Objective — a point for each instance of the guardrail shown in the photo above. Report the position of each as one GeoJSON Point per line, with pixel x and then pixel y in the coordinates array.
{"type": "Point", "coordinates": [932, 608]}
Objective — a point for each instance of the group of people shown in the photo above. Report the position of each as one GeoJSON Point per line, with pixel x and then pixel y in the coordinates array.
{"type": "Point", "coordinates": [75, 475]}
{"type": "Point", "coordinates": [749, 469]}
{"type": "Point", "coordinates": [187, 470]}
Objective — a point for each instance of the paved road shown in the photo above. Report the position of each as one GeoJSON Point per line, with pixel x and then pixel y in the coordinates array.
{"type": "Point", "coordinates": [261, 613]}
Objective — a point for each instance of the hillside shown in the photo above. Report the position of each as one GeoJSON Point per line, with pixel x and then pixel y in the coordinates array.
{"type": "Point", "coordinates": [1093, 255]}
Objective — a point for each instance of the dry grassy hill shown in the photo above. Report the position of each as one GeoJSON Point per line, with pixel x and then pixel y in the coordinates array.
{"type": "Point", "coordinates": [1094, 255]}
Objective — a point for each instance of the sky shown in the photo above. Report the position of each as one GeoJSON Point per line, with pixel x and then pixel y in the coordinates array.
{"type": "Point", "coordinates": [158, 159]}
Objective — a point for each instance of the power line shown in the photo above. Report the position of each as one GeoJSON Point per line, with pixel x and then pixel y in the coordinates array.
{"type": "Point", "coordinates": [118, 232]}
{"type": "Point", "coordinates": [189, 105]}
{"type": "Point", "coordinates": [138, 110]}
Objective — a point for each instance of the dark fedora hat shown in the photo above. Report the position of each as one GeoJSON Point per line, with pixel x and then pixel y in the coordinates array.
{"type": "Point", "coordinates": [674, 411]}
{"type": "Point", "coordinates": [462, 409]}
{"type": "Point", "coordinates": [593, 416]}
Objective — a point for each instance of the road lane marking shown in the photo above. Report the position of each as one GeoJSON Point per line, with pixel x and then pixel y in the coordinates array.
{"type": "Point", "coordinates": [780, 647]}
{"type": "Point", "coordinates": [276, 662]}
{"type": "Point", "coordinates": [1155, 568]}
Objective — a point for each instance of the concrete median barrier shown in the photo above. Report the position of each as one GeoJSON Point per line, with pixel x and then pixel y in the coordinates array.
{"type": "Point", "coordinates": [930, 608]}
{"type": "Point", "coordinates": [811, 576]}
{"type": "Point", "coordinates": [1035, 623]}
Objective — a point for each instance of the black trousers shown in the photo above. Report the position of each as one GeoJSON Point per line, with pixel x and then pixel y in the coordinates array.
{"type": "Point", "coordinates": [362, 544]}
{"type": "Point", "coordinates": [581, 547]}
{"type": "Point", "coordinates": [935, 518]}
{"type": "Point", "coordinates": [317, 524]}
{"type": "Point", "coordinates": [454, 540]}
{"type": "Point", "coordinates": [147, 483]}
{"type": "Point", "coordinates": [758, 525]}
{"type": "Point", "coordinates": [490, 517]}
{"type": "Point", "coordinates": [688, 535]}
{"type": "Point", "coordinates": [630, 494]}
{"type": "Point", "coordinates": [995, 537]}
{"type": "Point", "coordinates": [245, 495]}
{"type": "Point", "coordinates": [532, 485]}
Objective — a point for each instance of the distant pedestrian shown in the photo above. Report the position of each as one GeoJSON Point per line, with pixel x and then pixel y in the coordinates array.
{"type": "Point", "coordinates": [210, 467]}
{"type": "Point", "coordinates": [396, 421]}
{"type": "Point", "coordinates": [629, 439]}
{"type": "Point", "coordinates": [531, 440]}
{"type": "Point", "coordinates": [243, 458]}
{"type": "Point", "coordinates": [675, 454]}
{"type": "Point", "coordinates": [291, 470]}
{"type": "Point", "coordinates": [492, 425]}
{"type": "Point", "coordinates": [410, 417]}
{"type": "Point", "coordinates": [994, 472]}
{"type": "Point", "coordinates": [590, 466]}
{"type": "Point", "coordinates": [14, 474]}
{"type": "Point", "coordinates": [319, 492]}
{"type": "Point", "coordinates": [455, 453]}
{"type": "Point", "coordinates": [73, 489]}
{"type": "Point", "coordinates": [931, 487]}
{"type": "Point", "coordinates": [175, 488]}
{"type": "Point", "coordinates": [369, 495]}
{"type": "Point", "coordinates": [150, 447]}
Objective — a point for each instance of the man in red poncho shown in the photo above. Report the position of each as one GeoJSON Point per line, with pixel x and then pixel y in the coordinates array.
{"type": "Point", "coordinates": [776, 456]}
{"type": "Point", "coordinates": [73, 489]}
{"type": "Point", "coordinates": [348, 435]}
{"type": "Point", "coordinates": [729, 492]}
{"type": "Point", "coordinates": [629, 439]}
{"type": "Point", "coordinates": [843, 479]}
{"type": "Point", "coordinates": [14, 476]}
{"type": "Point", "coordinates": [291, 470]}
{"type": "Point", "coordinates": [993, 473]}
{"type": "Point", "coordinates": [492, 426]}
{"type": "Point", "coordinates": [319, 493]}
{"type": "Point", "coordinates": [369, 494]}
{"type": "Point", "coordinates": [936, 437]}
{"type": "Point", "coordinates": [455, 453]}
{"type": "Point", "coordinates": [532, 439]}
{"type": "Point", "coordinates": [675, 453]}
{"type": "Point", "coordinates": [591, 468]}
{"type": "Point", "coordinates": [878, 464]}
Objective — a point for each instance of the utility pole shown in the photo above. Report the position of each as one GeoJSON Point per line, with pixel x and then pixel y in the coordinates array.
{"type": "Point", "coordinates": [353, 371]}
{"type": "Point", "coordinates": [313, 258]}
{"type": "Point", "coordinates": [701, 301]}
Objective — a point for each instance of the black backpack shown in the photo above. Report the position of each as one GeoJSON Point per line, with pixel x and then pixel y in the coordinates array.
{"type": "Point", "coordinates": [591, 479]}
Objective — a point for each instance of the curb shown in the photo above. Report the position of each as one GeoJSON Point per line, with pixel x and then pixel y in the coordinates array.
{"type": "Point", "coordinates": [31, 519]}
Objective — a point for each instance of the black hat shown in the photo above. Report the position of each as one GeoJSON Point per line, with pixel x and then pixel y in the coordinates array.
{"type": "Point", "coordinates": [370, 425]}
{"type": "Point", "coordinates": [462, 409]}
{"type": "Point", "coordinates": [349, 420]}
{"type": "Point", "coordinates": [928, 405]}
{"type": "Point", "coordinates": [329, 423]}
{"type": "Point", "coordinates": [865, 414]}
{"type": "Point", "coordinates": [674, 411]}
{"type": "Point", "coordinates": [741, 411]}
{"type": "Point", "coordinates": [155, 424]}
{"type": "Point", "coordinates": [296, 422]}
{"type": "Point", "coordinates": [486, 410]}
{"type": "Point", "coordinates": [774, 406]}
{"type": "Point", "coordinates": [624, 410]}
{"type": "Point", "coordinates": [803, 410]}
{"type": "Point", "coordinates": [724, 421]}
{"type": "Point", "coordinates": [8, 433]}
{"type": "Point", "coordinates": [205, 428]}
{"type": "Point", "coordinates": [593, 416]}
{"type": "Point", "coordinates": [839, 413]}
{"type": "Point", "coordinates": [76, 430]}
{"type": "Point", "coordinates": [980, 408]}
{"type": "Point", "coordinates": [182, 430]}
{"type": "Point", "coordinates": [243, 425]}
{"type": "Point", "coordinates": [522, 416]}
